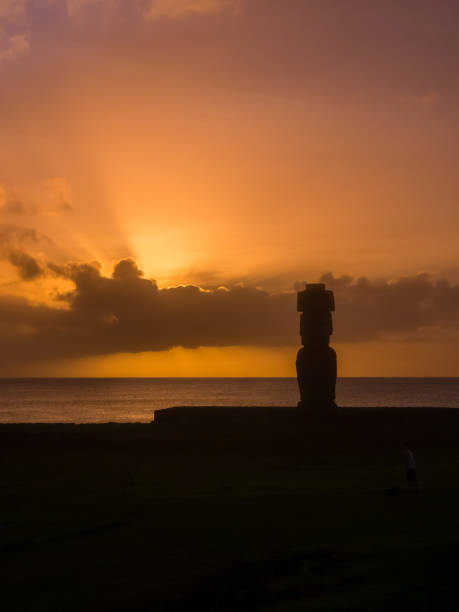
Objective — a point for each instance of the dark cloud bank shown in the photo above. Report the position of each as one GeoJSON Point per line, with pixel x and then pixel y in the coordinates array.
{"type": "Point", "coordinates": [128, 313]}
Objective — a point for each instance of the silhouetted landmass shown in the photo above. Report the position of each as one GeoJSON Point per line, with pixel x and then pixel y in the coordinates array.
{"type": "Point", "coordinates": [232, 509]}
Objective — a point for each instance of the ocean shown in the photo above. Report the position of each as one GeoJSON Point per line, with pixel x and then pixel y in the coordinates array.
{"type": "Point", "coordinates": [102, 400]}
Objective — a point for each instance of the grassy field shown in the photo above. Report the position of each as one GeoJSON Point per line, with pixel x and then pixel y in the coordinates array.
{"type": "Point", "coordinates": [233, 515]}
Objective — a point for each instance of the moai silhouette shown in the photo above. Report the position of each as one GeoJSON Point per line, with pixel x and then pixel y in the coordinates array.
{"type": "Point", "coordinates": [316, 360]}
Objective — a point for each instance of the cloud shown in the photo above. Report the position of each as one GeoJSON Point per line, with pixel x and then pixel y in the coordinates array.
{"type": "Point", "coordinates": [16, 11]}
{"type": "Point", "coordinates": [368, 310]}
{"type": "Point", "coordinates": [13, 46]}
{"type": "Point", "coordinates": [14, 40]}
{"type": "Point", "coordinates": [16, 25]}
{"type": "Point", "coordinates": [51, 197]}
{"type": "Point", "coordinates": [77, 8]}
{"type": "Point", "coordinates": [129, 313]}
{"type": "Point", "coordinates": [175, 9]}
{"type": "Point", "coordinates": [15, 243]}
{"type": "Point", "coordinates": [15, 22]}
{"type": "Point", "coordinates": [12, 10]}
{"type": "Point", "coordinates": [28, 267]}
{"type": "Point", "coordinates": [17, 235]}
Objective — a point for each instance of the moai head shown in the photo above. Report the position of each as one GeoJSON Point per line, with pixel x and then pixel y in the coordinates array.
{"type": "Point", "coordinates": [316, 305]}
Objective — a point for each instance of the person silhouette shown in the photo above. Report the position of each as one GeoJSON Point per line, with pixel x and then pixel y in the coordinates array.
{"type": "Point", "coordinates": [411, 473]}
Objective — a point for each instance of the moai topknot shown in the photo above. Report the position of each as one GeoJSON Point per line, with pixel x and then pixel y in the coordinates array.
{"type": "Point", "coordinates": [316, 361]}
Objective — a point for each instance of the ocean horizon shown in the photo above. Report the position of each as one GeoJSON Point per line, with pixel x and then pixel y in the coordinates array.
{"type": "Point", "coordinates": [101, 400]}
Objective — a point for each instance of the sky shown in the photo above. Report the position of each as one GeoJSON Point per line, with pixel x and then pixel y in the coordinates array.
{"type": "Point", "coordinates": [173, 171]}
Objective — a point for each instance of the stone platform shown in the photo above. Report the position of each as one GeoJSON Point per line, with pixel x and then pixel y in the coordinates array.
{"type": "Point", "coordinates": [342, 428]}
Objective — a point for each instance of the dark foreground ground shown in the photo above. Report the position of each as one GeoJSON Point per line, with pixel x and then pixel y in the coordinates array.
{"type": "Point", "coordinates": [262, 510]}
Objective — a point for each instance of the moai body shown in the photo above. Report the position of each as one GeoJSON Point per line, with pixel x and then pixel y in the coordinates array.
{"type": "Point", "coordinates": [316, 360]}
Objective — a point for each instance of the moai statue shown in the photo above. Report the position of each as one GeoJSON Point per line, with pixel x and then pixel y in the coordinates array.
{"type": "Point", "coordinates": [316, 361]}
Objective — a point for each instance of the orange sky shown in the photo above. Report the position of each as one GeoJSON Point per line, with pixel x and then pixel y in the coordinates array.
{"type": "Point", "coordinates": [220, 142]}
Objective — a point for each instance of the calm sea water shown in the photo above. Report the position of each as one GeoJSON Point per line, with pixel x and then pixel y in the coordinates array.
{"type": "Point", "coordinates": [100, 400]}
